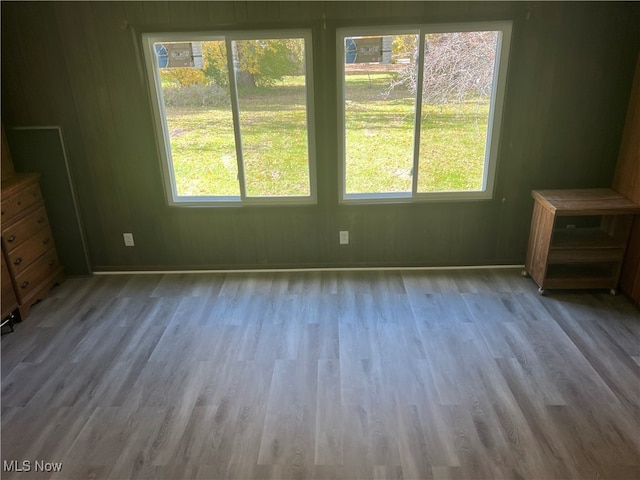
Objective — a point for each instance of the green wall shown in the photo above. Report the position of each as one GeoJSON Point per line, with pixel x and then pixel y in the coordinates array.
{"type": "Point", "coordinates": [79, 65]}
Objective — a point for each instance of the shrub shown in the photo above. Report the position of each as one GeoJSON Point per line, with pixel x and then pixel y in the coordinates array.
{"type": "Point", "coordinates": [195, 95]}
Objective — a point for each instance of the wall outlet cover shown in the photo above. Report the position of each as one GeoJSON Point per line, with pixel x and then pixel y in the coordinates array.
{"type": "Point", "coordinates": [128, 239]}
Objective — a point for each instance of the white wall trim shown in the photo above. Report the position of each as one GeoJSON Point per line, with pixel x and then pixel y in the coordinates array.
{"type": "Point", "coordinates": [323, 269]}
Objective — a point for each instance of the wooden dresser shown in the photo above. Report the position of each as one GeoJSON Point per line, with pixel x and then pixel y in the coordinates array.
{"type": "Point", "coordinates": [9, 299]}
{"type": "Point", "coordinates": [27, 243]}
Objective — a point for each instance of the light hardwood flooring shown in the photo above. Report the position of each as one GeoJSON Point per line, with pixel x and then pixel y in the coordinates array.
{"type": "Point", "coordinates": [328, 375]}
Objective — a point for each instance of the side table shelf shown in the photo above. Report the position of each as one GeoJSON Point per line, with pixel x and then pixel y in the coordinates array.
{"type": "Point", "coordinates": [587, 253]}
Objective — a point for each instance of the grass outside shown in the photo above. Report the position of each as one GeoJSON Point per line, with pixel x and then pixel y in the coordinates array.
{"type": "Point", "coordinates": [379, 142]}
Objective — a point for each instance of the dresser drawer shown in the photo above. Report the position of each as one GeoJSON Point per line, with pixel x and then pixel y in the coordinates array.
{"type": "Point", "coordinates": [21, 257]}
{"type": "Point", "coordinates": [31, 278]}
{"type": "Point", "coordinates": [6, 210]}
{"type": "Point", "coordinates": [20, 201]}
{"type": "Point", "coordinates": [16, 234]}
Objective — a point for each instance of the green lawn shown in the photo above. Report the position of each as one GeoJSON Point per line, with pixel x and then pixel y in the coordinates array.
{"type": "Point", "coordinates": [379, 140]}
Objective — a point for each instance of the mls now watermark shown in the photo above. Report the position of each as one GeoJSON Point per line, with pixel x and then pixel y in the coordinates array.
{"type": "Point", "coordinates": [29, 466]}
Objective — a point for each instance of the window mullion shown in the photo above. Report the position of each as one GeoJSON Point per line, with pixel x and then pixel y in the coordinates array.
{"type": "Point", "coordinates": [342, 112]}
{"type": "Point", "coordinates": [418, 117]}
{"type": "Point", "coordinates": [235, 110]}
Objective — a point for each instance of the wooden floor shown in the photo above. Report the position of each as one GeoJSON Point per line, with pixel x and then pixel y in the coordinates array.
{"type": "Point", "coordinates": [329, 375]}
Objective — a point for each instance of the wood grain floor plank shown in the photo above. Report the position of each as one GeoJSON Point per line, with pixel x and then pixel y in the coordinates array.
{"type": "Point", "coordinates": [613, 365]}
{"type": "Point", "coordinates": [415, 457]}
{"type": "Point", "coordinates": [357, 453]}
{"type": "Point", "coordinates": [139, 286]}
{"type": "Point", "coordinates": [290, 406]}
{"type": "Point", "coordinates": [328, 428]}
{"type": "Point", "coordinates": [541, 425]}
{"type": "Point", "coordinates": [324, 375]}
{"type": "Point", "coordinates": [526, 352]}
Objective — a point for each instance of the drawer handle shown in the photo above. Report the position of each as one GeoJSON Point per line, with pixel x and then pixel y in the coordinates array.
{"type": "Point", "coordinates": [52, 263]}
{"type": "Point", "coordinates": [25, 284]}
{"type": "Point", "coordinates": [19, 203]}
{"type": "Point", "coordinates": [11, 238]}
{"type": "Point", "coordinates": [40, 219]}
{"type": "Point", "coordinates": [17, 261]}
{"type": "Point", "coordinates": [45, 241]}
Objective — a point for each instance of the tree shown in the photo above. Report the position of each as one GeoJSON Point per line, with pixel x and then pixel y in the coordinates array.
{"type": "Point", "coordinates": [184, 76]}
{"type": "Point", "coordinates": [457, 66]}
{"type": "Point", "coordinates": [403, 47]}
{"type": "Point", "coordinates": [215, 62]}
{"type": "Point", "coordinates": [263, 62]}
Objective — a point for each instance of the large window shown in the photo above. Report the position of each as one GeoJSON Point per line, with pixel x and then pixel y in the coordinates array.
{"type": "Point", "coordinates": [420, 110]}
{"type": "Point", "coordinates": [234, 116]}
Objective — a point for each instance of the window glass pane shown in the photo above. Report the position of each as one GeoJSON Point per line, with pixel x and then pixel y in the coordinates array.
{"type": "Point", "coordinates": [458, 79]}
{"type": "Point", "coordinates": [379, 113]}
{"type": "Point", "coordinates": [195, 91]}
{"type": "Point", "coordinates": [271, 81]}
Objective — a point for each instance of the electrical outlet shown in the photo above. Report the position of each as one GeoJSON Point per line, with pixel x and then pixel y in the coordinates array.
{"type": "Point", "coordinates": [344, 237]}
{"type": "Point", "coordinates": [128, 239]}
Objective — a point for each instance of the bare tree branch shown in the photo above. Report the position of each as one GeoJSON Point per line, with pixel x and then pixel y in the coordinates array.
{"type": "Point", "coordinates": [457, 66]}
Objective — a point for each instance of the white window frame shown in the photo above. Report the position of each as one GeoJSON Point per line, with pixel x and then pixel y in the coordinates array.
{"type": "Point", "coordinates": [493, 125]}
{"type": "Point", "coordinates": [161, 128]}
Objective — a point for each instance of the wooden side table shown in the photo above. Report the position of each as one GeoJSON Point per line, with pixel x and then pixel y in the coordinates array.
{"type": "Point", "coordinates": [578, 238]}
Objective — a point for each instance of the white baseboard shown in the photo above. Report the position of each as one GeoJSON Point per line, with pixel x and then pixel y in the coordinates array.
{"type": "Point", "coordinates": [322, 269]}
